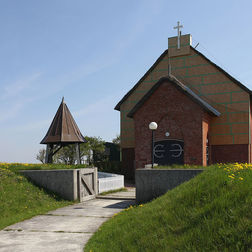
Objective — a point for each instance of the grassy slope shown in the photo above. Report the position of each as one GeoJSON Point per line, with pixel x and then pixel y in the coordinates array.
{"type": "Point", "coordinates": [20, 199]}
{"type": "Point", "coordinates": [212, 212]}
{"type": "Point", "coordinates": [15, 167]}
{"type": "Point", "coordinates": [179, 167]}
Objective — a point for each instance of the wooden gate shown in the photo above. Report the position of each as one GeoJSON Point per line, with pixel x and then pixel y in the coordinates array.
{"type": "Point", "coordinates": [87, 183]}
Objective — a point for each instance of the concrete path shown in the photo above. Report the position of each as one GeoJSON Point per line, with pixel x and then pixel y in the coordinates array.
{"type": "Point", "coordinates": [65, 229]}
{"type": "Point", "coordinates": [130, 194]}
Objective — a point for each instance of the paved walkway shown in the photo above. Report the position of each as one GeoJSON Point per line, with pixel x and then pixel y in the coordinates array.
{"type": "Point", "coordinates": [64, 229]}
{"type": "Point", "coordinates": [130, 194]}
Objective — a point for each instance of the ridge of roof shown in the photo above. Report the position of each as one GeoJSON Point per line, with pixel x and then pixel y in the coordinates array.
{"type": "Point", "coordinates": [63, 128]}
{"type": "Point", "coordinates": [182, 88]}
{"type": "Point", "coordinates": [117, 107]}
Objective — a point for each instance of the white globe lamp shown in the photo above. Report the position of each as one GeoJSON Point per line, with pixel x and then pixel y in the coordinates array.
{"type": "Point", "coordinates": [153, 126]}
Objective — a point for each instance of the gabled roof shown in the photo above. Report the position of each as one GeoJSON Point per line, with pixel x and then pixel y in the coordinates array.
{"type": "Point", "coordinates": [117, 107]}
{"type": "Point", "coordinates": [183, 88]}
{"type": "Point", "coordinates": [63, 128]}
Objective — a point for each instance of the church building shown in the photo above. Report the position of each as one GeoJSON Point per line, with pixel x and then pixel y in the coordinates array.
{"type": "Point", "coordinates": [202, 112]}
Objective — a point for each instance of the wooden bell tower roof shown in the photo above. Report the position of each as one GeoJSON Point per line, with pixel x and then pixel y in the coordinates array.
{"type": "Point", "coordinates": [63, 128]}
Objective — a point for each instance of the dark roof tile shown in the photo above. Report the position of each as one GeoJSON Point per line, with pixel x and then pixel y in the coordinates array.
{"type": "Point", "coordinates": [63, 128]}
{"type": "Point", "coordinates": [182, 88]}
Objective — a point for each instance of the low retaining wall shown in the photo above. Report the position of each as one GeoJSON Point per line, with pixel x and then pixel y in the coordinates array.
{"type": "Point", "coordinates": [109, 181]}
{"type": "Point", "coordinates": [62, 182]}
{"type": "Point", "coordinates": [152, 183]}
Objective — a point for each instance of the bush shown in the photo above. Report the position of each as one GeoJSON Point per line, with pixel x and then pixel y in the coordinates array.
{"type": "Point", "coordinates": [109, 166]}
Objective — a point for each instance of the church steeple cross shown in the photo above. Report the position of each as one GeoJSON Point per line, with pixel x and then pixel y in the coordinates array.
{"type": "Point", "coordinates": [179, 32]}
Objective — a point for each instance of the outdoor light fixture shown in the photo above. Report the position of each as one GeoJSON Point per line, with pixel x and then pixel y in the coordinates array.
{"type": "Point", "coordinates": [152, 126]}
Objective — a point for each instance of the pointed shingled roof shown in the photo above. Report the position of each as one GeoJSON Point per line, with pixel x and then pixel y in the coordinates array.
{"type": "Point", "coordinates": [63, 128]}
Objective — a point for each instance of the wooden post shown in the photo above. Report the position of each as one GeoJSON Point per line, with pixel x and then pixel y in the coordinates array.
{"type": "Point", "coordinates": [47, 153]}
{"type": "Point", "coordinates": [77, 148]}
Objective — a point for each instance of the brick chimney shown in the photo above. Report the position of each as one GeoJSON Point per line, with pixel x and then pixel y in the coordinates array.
{"type": "Point", "coordinates": [185, 43]}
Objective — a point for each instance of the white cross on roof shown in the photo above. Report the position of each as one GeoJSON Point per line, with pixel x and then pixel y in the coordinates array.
{"type": "Point", "coordinates": [178, 28]}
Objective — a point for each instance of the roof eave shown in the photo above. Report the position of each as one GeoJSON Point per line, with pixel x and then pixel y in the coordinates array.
{"type": "Point", "coordinates": [207, 107]}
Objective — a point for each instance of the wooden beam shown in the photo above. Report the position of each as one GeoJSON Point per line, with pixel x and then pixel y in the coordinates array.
{"type": "Point", "coordinates": [90, 189]}
{"type": "Point", "coordinates": [77, 148]}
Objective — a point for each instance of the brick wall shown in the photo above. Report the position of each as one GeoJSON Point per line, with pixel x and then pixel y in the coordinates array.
{"type": "Point", "coordinates": [229, 153]}
{"type": "Point", "coordinates": [192, 69]}
{"type": "Point", "coordinates": [128, 163]}
{"type": "Point", "coordinates": [176, 113]}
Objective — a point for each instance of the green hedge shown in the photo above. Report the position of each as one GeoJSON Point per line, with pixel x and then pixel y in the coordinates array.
{"type": "Point", "coordinates": [109, 166]}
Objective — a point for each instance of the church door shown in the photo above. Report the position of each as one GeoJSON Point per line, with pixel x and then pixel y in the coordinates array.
{"type": "Point", "coordinates": [168, 152]}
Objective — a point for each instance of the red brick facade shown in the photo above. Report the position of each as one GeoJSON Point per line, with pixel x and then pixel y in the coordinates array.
{"type": "Point", "coordinates": [128, 163]}
{"type": "Point", "coordinates": [216, 117]}
{"type": "Point", "coordinates": [230, 153]}
{"type": "Point", "coordinates": [177, 114]}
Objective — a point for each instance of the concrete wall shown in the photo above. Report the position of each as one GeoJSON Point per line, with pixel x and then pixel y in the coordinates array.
{"type": "Point", "coordinates": [62, 182]}
{"type": "Point", "coordinates": [152, 183]}
{"type": "Point", "coordinates": [109, 181]}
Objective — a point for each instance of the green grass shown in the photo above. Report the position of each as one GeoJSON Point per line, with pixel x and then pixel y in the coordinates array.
{"type": "Point", "coordinates": [20, 199]}
{"type": "Point", "coordinates": [211, 212]}
{"type": "Point", "coordinates": [114, 191]}
{"type": "Point", "coordinates": [15, 167]}
{"type": "Point", "coordinates": [180, 167]}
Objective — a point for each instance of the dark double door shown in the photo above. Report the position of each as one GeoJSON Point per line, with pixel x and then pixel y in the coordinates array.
{"type": "Point", "coordinates": [168, 152]}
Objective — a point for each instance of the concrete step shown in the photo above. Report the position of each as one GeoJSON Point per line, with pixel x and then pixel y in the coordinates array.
{"type": "Point", "coordinates": [115, 197]}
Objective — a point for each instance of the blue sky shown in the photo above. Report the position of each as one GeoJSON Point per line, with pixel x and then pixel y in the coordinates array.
{"type": "Point", "coordinates": [93, 52]}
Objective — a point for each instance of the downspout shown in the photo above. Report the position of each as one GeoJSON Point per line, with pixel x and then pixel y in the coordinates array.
{"type": "Point", "coordinates": [249, 145]}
